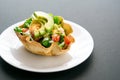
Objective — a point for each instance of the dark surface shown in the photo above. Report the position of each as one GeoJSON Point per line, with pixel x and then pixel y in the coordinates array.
{"type": "Point", "coordinates": [100, 17]}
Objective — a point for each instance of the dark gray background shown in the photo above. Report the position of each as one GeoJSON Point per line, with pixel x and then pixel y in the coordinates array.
{"type": "Point", "coordinates": [100, 17]}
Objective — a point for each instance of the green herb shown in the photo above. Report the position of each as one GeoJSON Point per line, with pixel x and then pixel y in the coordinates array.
{"type": "Point", "coordinates": [27, 23]}
{"type": "Point", "coordinates": [58, 19]}
{"type": "Point", "coordinates": [17, 29]}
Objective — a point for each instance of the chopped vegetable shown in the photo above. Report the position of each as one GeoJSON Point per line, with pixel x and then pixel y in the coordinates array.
{"type": "Point", "coordinates": [27, 23]}
{"type": "Point", "coordinates": [17, 29]}
{"type": "Point", "coordinates": [61, 45]}
{"type": "Point", "coordinates": [58, 19]}
{"type": "Point", "coordinates": [71, 38]}
{"type": "Point", "coordinates": [55, 37]}
{"type": "Point", "coordinates": [67, 40]}
{"type": "Point", "coordinates": [61, 38]}
{"type": "Point", "coordinates": [46, 42]}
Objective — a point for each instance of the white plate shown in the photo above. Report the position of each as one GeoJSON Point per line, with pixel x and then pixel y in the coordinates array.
{"type": "Point", "coordinates": [13, 52]}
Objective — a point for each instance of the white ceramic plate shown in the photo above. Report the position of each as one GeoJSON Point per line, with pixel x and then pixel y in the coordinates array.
{"type": "Point", "coordinates": [13, 52]}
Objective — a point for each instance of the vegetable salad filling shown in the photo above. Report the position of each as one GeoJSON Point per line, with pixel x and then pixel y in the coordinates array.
{"type": "Point", "coordinates": [46, 29]}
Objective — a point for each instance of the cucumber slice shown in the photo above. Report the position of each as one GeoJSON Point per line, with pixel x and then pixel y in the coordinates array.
{"type": "Point", "coordinates": [46, 18]}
